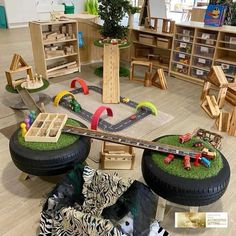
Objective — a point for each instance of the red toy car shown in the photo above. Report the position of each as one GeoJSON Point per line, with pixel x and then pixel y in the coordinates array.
{"type": "Point", "coordinates": [169, 158]}
{"type": "Point", "coordinates": [186, 163]}
{"type": "Point", "coordinates": [185, 137]}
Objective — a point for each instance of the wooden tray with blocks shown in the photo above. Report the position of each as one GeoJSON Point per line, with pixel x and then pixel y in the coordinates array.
{"type": "Point", "coordinates": [46, 128]}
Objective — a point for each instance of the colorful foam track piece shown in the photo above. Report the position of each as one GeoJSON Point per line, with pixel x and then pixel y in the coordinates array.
{"type": "Point", "coordinates": [60, 95]}
{"type": "Point", "coordinates": [82, 84]}
{"type": "Point", "coordinates": [150, 105]}
{"type": "Point", "coordinates": [97, 114]}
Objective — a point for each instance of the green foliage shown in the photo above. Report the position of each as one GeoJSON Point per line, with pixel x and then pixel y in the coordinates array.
{"type": "Point", "coordinates": [176, 166]}
{"type": "Point", "coordinates": [91, 7]}
{"type": "Point", "coordinates": [112, 13]}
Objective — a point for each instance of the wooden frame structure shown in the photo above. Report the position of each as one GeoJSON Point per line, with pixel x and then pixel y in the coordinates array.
{"type": "Point", "coordinates": [216, 77]}
{"type": "Point", "coordinates": [159, 79]}
{"type": "Point", "coordinates": [18, 64]}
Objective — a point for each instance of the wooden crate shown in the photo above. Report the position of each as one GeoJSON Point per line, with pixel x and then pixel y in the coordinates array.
{"type": "Point", "coordinates": [116, 156]}
{"type": "Point", "coordinates": [163, 43]}
{"type": "Point", "coordinates": [46, 128]}
{"type": "Point", "coordinates": [146, 39]}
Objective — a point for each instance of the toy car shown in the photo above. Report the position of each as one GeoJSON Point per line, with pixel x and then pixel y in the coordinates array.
{"type": "Point", "coordinates": [125, 100]}
{"type": "Point", "coordinates": [185, 137]}
{"type": "Point", "coordinates": [205, 162]}
{"type": "Point", "coordinates": [186, 163]}
{"type": "Point", "coordinates": [169, 158]}
{"type": "Point", "coordinates": [209, 155]}
{"type": "Point", "coordinates": [198, 144]}
{"type": "Point", "coordinates": [133, 117]}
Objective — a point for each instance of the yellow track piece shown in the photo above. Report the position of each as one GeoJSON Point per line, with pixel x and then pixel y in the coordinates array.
{"type": "Point", "coordinates": [60, 95]}
{"type": "Point", "coordinates": [149, 105]}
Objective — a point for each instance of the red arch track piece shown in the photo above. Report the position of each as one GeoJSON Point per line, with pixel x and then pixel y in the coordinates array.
{"type": "Point", "coordinates": [82, 84]}
{"type": "Point", "coordinates": [97, 114]}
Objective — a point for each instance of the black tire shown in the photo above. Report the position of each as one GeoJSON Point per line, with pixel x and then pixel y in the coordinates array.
{"type": "Point", "coordinates": [189, 192]}
{"type": "Point", "coordinates": [47, 163]}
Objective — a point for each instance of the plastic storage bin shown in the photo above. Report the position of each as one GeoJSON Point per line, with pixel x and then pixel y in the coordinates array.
{"type": "Point", "coordinates": [183, 47]}
{"type": "Point", "coordinates": [231, 41]}
{"type": "Point", "coordinates": [199, 74]}
{"type": "Point", "coordinates": [181, 57]}
{"type": "Point", "coordinates": [204, 51]}
{"type": "Point", "coordinates": [176, 67]}
{"type": "Point", "coordinates": [227, 68]}
{"type": "Point", "coordinates": [185, 31]}
{"type": "Point", "coordinates": [202, 62]}
{"type": "Point", "coordinates": [181, 38]}
{"type": "Point", "coordinates": [3, 19]}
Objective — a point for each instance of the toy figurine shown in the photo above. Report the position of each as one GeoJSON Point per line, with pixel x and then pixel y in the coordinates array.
{"type": "Point", "coordinates": [31, 118]}
{"type": "Point", "coordinates": [27, 122]}
{"type": "Point", "coordinates": [23, 129]}
{"type": "Point", "coordinates": [169, 158]}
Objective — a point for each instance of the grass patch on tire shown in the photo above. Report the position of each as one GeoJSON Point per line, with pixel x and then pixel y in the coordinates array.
{"type": "Point", "coordinates": [176, 166]}
{"type": "Point", "coordinates": [64, 140]}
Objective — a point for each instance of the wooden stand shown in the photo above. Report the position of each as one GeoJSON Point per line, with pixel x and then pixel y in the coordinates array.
{"type": "Point", "coordinates": [111, 82]}
{"type": "Point", "coordinates": [159, 79]}
{"type": "Point", "coordinates": [18, 65]}
{"type": "Point", "coordinates": [116, 156]}
{"type": "Point", "coordinates": [168, 26]}
{"type": "Point", "coordinates": [140, 63]}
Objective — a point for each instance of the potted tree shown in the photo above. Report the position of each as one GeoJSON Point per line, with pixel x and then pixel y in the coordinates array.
{"type": "Point", "coordinates": [112, 13]}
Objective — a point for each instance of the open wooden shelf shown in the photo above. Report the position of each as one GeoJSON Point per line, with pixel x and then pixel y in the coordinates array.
{"type": "Point", "coordinates": [218, 40]}
{"type": "Point", "coordinates": [50, 40]}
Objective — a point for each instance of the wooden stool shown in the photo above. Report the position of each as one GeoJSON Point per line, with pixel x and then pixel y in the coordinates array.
{"type": "Point", "coordinates": [161, 206]}
{"type": "Point", "coordinates": [140, 63]}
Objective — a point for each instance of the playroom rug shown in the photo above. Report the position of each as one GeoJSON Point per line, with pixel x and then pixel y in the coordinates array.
{"type": "Point", "coordinates": [120, 111]}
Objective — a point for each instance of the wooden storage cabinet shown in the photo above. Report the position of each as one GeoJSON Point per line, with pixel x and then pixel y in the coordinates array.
{"type": "Point", "coordinates": [55, 47]}
{"type": "Point", "coordinates": [151, 46]}
{"type": "Point", "coordinates": [204, 46]}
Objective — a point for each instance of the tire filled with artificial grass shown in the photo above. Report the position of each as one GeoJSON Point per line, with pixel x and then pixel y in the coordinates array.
{"type": "Point", "coordinates": [182, 190]}
{"type": "Point", "coordinates": [48, 162]}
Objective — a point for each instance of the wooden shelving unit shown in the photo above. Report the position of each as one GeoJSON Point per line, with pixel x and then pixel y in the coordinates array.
{"type": "Point", "coordinates": [55, 47]}
{"type": "Point", "coordinates": [196, 48]}
{"type": "Point", "coordinates": [149, 45]}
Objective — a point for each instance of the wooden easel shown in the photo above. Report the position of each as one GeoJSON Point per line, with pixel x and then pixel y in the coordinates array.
{"type": "Point", "coordinates": [111, 81]}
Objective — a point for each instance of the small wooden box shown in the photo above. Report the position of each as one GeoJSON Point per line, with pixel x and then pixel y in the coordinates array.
{"type": "Point", "coordinates": [116, 156]}
{"type": "Point", "coordinates": [46, 128]}
{"type": "Point", "coordinates": [163, 43]}
{"type": "Point", "coordinates": [146, 39]}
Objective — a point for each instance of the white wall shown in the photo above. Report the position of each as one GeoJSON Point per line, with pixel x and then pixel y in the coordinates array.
{"type": "Point", "coordinates": [79, 4]}
{"type": "Point", "coordinates": [2, 2]}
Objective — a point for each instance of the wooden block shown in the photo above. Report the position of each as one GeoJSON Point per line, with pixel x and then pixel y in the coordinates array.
{"type": "Point", "coordinates": [111, 81]}
{"type": "Point", "coordinates": [223, 121]}
{"type": "Point", "coordinates": [221, 97]}
{"type": "Point", "coordinates": [159, 79]}
{"type": "Point", "coordinates": [24, 176]}
{"type": "Point", "coordinates": [205, 90]}
{"type": "Point", "coordinates": [148, 79]}
{"type": "Point", "coordinates": [217, 77]}
{"type": "Point", "coordinates": [210, 106]}
{"type": "Point", "coordinates": [232, 127]}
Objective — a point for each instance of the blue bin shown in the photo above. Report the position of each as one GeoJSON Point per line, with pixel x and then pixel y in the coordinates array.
{"type": "Point", "coordinates": [3, 19]}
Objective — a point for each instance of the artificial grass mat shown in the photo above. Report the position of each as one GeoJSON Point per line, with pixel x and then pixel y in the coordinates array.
{"type": "Point", "coordinates": [10, 89]}
{"type": "Point", "coordinates": [176, 167]}
{"type": "Point", "coordinates": [64, 140]}
{"type": "Point", "coordinates": [123, 72]}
